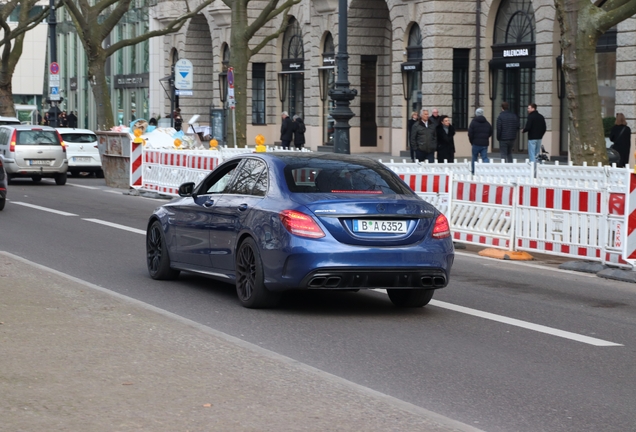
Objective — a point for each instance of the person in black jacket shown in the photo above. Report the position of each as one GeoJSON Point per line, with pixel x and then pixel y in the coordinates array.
{"type": "Point", "coordinates": [507, 129]}
{"type": "Point", "coordinates": [621, 137]}
{"type": "Point", "coordinates": [286, 130]}
{"type": "Point", "coordinates": [409, 125]}
{"type": "Point", "coordinates": [535, 126]}
{"type": "Point", "coordinates": [423, 138]}
{"type": "Point", "coordinates": [479, 133]}
{"type": "Point", "coordinates": [445, 140]}
{"type": "Point", "coordinates": [299, 132]}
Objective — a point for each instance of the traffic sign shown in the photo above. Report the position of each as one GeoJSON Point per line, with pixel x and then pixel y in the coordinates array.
{"type": "Point", "coordinates": [55, 91]}
{"type": "Point", "coordinates": [183, 92]}
{"type": "Point", "coordinates": [183, 75]}
{"type": "Point", "coordinates": [54, 68]}
{"type": "Point", "coordinates": [55, 97]}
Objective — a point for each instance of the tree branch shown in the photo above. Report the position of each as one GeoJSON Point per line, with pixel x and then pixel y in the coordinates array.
{"type": "Point", "coordinates": [606, 20]}
{"type": "Point", "coordinates": [172, 27]}
{"type": "Point", "coordinates": [77, 15]}
{"type": "Point", "coordinates": [114, 17]}
{"type": "Point", "coordinates": [266, 39]}
{"type": "Point", "coordinates": [261, 19]}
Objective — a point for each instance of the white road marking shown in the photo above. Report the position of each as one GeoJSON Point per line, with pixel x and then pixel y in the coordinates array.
{"type": "Point", "coordinates": [43, 208]}
{"type": "Point", "coordinates": [82, 186]}
{"type": "Point", "coordinates": [519, 323]}
{"type": "Point", "coordinates": [114, 225]}
{"type": "Point", "coordinates": [114, 192]}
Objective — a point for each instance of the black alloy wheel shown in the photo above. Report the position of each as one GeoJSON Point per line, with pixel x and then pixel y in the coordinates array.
{"type": "Point", "coordinates": [250, 285]}
{"type": "Point", "coordinates": [60, 179]}
{"type": "Point", "coordinates": [157, 257]}
{"type": "Point", "coordinates": [410, 298]}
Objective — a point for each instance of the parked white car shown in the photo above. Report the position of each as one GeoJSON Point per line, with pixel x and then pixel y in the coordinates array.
{"type": "Point", "coordinates": [81, 151]}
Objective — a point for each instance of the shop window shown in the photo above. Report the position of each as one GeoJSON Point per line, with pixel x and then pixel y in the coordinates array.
{"type": "Point", "coordinates": [258, 93]}
{"type": "Point", "coordinates": [606, 72]}
{"type": "Point", "coordinates": [460, 88]}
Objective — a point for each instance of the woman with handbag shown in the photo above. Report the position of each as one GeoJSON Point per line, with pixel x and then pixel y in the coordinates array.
{"type": "Point", "coordinates": [621, 137]}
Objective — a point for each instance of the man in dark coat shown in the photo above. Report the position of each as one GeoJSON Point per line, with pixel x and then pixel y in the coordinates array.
{"type": "Point", "coordinates": [286, 130]}
{"type": "Point", "coordinates": [299, 132]}
{"type": "Point", "coordinates": [535, 126]}
{"type": "Point", "coordinates": [72, 120]}
{"type": "Point", "coordinates": [479, 133]}
{"type": "Point", "coordinates": [424, 138]}
{"type": "Point", "coordinates": [507, 129]}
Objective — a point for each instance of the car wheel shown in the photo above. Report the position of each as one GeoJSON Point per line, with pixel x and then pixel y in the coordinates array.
{"type": "Point", "coordinates": [250, 285]}
{"type": "Point", "coordinates": [410, 297]}
{"type": "Point", "coordinates": [60, 179]}
{"type": "Point", "coordinates": [157, 257]}
{"type": "Point", "coordinates": [3, 201]}
{"type": "Point", "coordinates": [36, 179]}
{"type": "Point", "coordinates": [99, 174]}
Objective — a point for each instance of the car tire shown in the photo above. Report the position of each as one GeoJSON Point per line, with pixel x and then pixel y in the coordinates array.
{"type": "Point", "coordinates": [157, 257]}
{"type": "Point", "coordinates": [99, 174]}
{"type": "Point", "coordinates": [410, 298]}
{"type": "Point", "coordinates": [3, 201]}
{"type": "Point", "coordinates": [36, 178]}
{"type": "Point", "coordinates": [250, 280]}
{"type": "Point", "coordinates": [60, 179]}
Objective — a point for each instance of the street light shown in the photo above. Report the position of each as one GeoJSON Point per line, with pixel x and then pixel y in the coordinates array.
{"type": "Point", "coordinates": [223, 87]}
{"type": "Point", "coordinates": [341, 94]}
{"type": "Point", "coordinates": [283, 79]}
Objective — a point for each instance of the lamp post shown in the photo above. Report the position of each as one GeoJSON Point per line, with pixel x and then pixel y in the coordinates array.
{"type": "Point", "coordinates": [341, 94]}
{"type": "Point", "coordinates": [53, 110]}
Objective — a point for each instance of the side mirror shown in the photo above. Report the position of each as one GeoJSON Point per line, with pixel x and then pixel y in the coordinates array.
{"type": "Point", "coordinates": [186, 189]}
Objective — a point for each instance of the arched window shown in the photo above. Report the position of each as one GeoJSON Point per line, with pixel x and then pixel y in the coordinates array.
{"type": "Point", "coordinates": [412, 72]}
{"type": "Point", "coordinates": [515, 22]}
{"type": "Point", "coordinates": [291, 80]}
{"type": "Point", "coordinates": [414, 48]}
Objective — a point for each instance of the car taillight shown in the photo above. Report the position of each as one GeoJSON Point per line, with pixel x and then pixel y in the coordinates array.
{"type": "Point", "coordinates": [61, 141]}
{"type": "Point", "coordinates": [441, 229]}
{"type": "Point", "coordinates": [13, 138]}
{"type": "Point", "coordinates": [300, 224]}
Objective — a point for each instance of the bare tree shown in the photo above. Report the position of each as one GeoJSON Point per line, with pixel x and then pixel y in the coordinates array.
{"type": "Point", "coordinates": [94, 24]}
{"type": "Point", "coordinates": [582, 23]}
{"type": "Point", "coordinates": [242, 32]}
{"type": "Point", "coordinates": [11, 45]}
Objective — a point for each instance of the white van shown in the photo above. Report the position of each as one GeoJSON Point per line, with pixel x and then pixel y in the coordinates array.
{"type": "Point", "coordinates": [81, 151]}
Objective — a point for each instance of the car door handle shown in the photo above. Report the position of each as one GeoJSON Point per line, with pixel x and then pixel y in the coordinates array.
{"type": "Point", "coordinates": [242, 207]}
{"type": "Point", "coordinates": [208, 203]}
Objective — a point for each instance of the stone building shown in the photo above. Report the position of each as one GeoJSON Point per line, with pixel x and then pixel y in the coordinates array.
{"type": "Point", "coordinates": [452, 55]}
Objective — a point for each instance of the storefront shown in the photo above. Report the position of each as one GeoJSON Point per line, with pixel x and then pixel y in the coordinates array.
{"type": "Point", "coordinates": [512, 68]}
{"type": "Point", "coordinates": [292, 77]}
{"type": "Point", "coordinates": [327, 81]}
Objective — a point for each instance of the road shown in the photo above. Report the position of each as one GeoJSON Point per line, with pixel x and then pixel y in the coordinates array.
{"type": "Point", "coordinates": [505, 347]}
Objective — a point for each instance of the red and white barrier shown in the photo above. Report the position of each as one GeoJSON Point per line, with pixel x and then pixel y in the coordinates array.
{"type": "Point", "coordinates": [136, 164]}
{"type": "Point", "coordinates": [629, 254]}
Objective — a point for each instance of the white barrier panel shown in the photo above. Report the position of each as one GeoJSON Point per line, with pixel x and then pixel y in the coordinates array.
{"type": "Point", "coordinates": [164, 171]}
{"type": "Point", "coordinates": [432, 188]}
{"type": "Point", "coordinates": [565, 221]}
{"type": "Point", "coordinates": [482, 213]}
{"type": "Point", "coordinates": [508, 171]}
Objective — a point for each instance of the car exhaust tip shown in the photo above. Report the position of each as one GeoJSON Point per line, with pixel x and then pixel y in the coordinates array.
{"type": "Point", "coordinates": [439, 281]}
{"type": "Point", "coordinates": [427, 281]}
{"type": "Point", "coordinates": [332, 282]}
{"type": "Point", "coordinates": [317, 282]}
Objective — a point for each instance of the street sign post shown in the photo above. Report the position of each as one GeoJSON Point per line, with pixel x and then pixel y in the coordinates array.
{"type": "Point", "coordinates": [230, 99]}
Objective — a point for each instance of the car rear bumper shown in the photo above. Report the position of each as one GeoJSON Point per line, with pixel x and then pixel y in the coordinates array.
{"type": "Point", "coordinates": [15, 170]}
{"type": "Point", "coordinates": [365, 278]}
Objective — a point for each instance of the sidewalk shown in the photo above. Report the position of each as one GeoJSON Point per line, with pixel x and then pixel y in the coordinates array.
{"type": "Point", "coordinates": [77, 357]}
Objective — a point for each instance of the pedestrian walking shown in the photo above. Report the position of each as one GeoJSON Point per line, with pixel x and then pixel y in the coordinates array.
{"type": "Point", "coordinates": [409, 125]}
{"type": "Point", "coordinates": [507, 130]}
{"type": "Point", "coordinates": [72, 119]}
{"type": "Point", "coordinates": [299, 132]}
{"type": "Point", "coordinates": [535, 126]}
{"type": "Point", "coordinates": [479, 133]}
{"type": "Point", "coordinates": [45, 120]}
{"type": "Point", "coordinates": [286, 130]}
{"type": "Point", "coordinates": [63, 121]}
{"type": "Point", "coordinates": [423, 138]}
{"type": "Point", "coordinates": [445, 141]}
{"type": "Point", "coordinates": [621, 137]}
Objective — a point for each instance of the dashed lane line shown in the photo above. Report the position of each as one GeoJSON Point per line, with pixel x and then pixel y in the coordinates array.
{"type": "Point", "coordinates": [46, 209]}
{"type": "Point", "coordinates": [118, 226]}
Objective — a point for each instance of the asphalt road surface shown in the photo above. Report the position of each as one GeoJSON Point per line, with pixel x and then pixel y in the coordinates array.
{"type": "Point", "coordinates": [505, 347]}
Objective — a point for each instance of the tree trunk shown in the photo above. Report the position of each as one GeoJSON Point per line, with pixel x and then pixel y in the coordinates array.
{"type": "Point", "coordinates": [101, 93]}
{"type": "Point", "coordinates": [578, 43]}
{"type": "Point", "coordinates": [7, 108]}
{"type": "Point", "coordinates": [239, 58]}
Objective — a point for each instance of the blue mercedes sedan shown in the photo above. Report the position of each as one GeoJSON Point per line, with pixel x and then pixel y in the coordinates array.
{"type": "Point", "coordinates": [270, 222]}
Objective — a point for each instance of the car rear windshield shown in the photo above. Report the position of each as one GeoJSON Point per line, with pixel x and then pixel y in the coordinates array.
{"type": "Point", "coordinates": [321, 175]}
{"type": "Point", "coordinates": [37, 137]}
{"type": "Point", "coordinates": [79, 138]}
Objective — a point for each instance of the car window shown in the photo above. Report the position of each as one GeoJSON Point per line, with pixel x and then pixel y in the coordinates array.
{"type": "Point", "coordinates": [320, 175]}
{"type": "Point", "coordinates": [248, 180]}
{"type": "Point", "coordinates": [79, 138]}
{"type": "Point", "coordinates": [218, 180]}
{"type": "Point", "coordinates": [37, 137]}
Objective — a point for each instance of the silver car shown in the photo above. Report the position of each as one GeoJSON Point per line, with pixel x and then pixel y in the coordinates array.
{"type": "Point", "coordinates": [33, 151]}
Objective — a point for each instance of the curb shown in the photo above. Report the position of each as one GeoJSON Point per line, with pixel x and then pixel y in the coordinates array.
{"type": "Point", "coordinates": [618, 274]}
{"type": "Point", "coordinates": [583, 266]}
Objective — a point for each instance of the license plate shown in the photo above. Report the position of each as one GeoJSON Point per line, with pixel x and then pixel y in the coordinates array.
{"type": "Point", "coordinates": [379, 226]}
{"type": "Point", "coordinates": [40, 162]}
{"type": "Point", "coordinates": [82, 159]}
